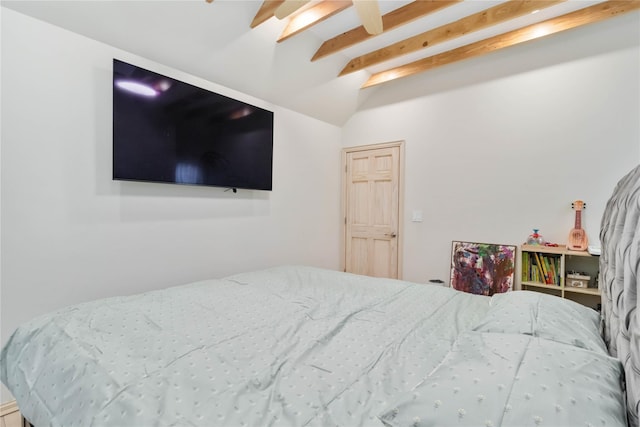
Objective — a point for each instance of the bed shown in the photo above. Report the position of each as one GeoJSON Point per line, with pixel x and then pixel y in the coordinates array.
{"type": "Point", "coordinates": [619, 271]}
{"type": "Point", "coordinates": [303, 346]}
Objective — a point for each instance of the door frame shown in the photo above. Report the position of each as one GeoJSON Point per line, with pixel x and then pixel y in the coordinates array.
{"type": "Point", "coordinates": [343, 202]}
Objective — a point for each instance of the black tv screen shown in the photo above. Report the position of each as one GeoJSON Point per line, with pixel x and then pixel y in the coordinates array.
{"type": "Point", "coordinates": [165, 130]}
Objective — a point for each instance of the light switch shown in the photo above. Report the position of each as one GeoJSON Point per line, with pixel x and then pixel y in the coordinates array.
{"type": "Point", "coordinates": [417, 216]}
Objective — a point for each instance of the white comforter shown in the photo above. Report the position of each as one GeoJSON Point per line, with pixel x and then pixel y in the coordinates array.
{"type": "Point", "coordinates": [289, 346]}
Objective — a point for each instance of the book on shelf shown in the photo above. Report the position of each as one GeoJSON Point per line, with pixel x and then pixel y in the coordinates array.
{"type": "Point", "coordinates": [541, 267]}
{"type": "Point", "coordinates": [540, 262]}
{"type": "Point", "coordinates": [525, 267]}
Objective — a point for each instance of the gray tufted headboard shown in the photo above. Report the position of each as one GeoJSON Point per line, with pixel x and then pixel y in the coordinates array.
{"type": "Point", "coordinates": [619, 271]}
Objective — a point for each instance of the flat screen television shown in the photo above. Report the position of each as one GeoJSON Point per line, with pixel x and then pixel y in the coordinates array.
{"type": "Point", "coordinates": [166, 130]}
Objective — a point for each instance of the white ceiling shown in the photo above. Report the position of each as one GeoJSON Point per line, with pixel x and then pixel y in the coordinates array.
{"type": "Point", "coordinates": [214, 41]}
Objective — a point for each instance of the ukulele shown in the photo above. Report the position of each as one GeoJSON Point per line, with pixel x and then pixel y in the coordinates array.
{"type": "Point", "coordinates": [577, 236]}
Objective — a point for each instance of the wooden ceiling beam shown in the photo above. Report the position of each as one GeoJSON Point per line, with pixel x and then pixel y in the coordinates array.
{"type": "Point", "coordinates": [266, 11]}
{"type": "Point", "coordinates": [588, 15]}
{"type": "Point", "coordinates": [478, 21]}
{"type": "Point", "coordinates": [313, 16]}
{"type": "Point", "coordinates": [369, 13]}
{"type": "Point", "coordinates": [289, 7]}
{"type": "Point", "coordinates": [401, 16]}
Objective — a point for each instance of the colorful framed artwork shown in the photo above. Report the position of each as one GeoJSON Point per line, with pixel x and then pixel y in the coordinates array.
{"type": "Point", "coordinates": [482, 268]}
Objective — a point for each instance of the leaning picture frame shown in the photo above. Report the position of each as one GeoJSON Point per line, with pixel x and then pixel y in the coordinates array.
{"type": "Point", "coordinates": [482, 268]}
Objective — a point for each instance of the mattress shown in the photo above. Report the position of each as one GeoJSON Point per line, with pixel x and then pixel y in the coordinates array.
{"type": "Point", "coordinates": [301, 346]}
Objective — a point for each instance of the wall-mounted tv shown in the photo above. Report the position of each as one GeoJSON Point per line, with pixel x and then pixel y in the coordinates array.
{"type": "Point", "coordinates": [166, 130]}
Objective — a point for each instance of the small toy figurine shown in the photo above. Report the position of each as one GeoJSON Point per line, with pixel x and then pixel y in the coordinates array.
{"type": "Point", "coordinates": [535, 238]}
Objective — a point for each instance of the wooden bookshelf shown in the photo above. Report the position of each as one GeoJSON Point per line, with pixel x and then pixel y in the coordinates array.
{"type": "Point", "coordinates": [545, 268]}
{"type": "Point", "coordinates": [542, 286]}
{"type": "Point", "coordinates": [587, 291]}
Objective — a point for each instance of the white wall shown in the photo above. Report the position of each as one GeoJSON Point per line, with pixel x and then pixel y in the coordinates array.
{"type": "Point", "coordinates": [485, 162]}
{"type": "Point", "coordinates": [71, 234]}
{"type": "Point", "coordinates": [492, 159]}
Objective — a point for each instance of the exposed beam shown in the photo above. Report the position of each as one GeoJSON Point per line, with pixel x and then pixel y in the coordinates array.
{"type": "Point", "coordinates": [266, 11]}
{"type": "Point", "coordinates": [588, 15]}
{"type": "Point", "coordinates": [478, 21]}
{"type": "Point", "coordinates": [312, 16]}
{"type": "Point", "coordinates": [401, 16]}
{"type": "Point", "coordinates": [289, 7]}
{"type": "Point", "coordinates": [369, 13]}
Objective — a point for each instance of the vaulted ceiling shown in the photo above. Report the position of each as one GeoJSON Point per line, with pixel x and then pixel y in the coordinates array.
{"type": "Point", "coordinates": [319, 60]}
{"type": "Point", "coordinates": [461, 24]}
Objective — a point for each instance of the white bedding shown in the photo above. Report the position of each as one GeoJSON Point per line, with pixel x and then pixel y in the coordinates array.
{"type": "Point", "coordinates": [289, 346]}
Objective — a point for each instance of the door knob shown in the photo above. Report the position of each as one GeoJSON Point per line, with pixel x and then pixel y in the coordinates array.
{"type": "Point", "coordinates": [392, 235]}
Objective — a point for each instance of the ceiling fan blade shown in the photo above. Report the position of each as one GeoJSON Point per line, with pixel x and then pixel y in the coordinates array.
{"type": "Point", "coordinates": [369, 13]}
{"type": "Point", "coordinates": [288, 7]}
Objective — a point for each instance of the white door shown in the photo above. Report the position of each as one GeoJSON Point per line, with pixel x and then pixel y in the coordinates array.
{"type": "Point", "coordinates": [372, 195]}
